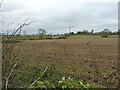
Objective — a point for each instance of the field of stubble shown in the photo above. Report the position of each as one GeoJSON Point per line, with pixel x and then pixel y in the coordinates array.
{"type": "Point", "coordinates": [90, 59]}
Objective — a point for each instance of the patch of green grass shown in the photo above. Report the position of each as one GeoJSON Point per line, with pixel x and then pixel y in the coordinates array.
{"type": "Point", "coordinates": [83, 36]}
{"type": "Point", "coordinates": [34, 38]}
{"type": "Point", "coordinates": [113, 35]}
{"type": "Point", "coordinates": [44, 37]}
{"type": "Point", "coordinates": [57, 36]}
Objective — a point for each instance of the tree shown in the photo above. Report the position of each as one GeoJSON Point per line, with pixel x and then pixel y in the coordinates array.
{"type": "Point", "coordinates": [92, 32]}
{"type": "Point", "coordinates": [71, 33]}
{"type": "Point", "coordinates": [42, 33]}
{"type": "Point", "coordinates": [79, 32]}
{"type": "Point", "coordinates": [105, 33]}
{"type": "Point", "coordinates": [85, 32]}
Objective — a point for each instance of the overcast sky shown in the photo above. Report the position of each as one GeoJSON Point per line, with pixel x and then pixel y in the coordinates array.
{"type": "Point", "coordinates": [56, 16]}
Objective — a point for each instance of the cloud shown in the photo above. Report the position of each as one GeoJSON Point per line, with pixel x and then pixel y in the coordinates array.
{"type": "Point", "coordinates": [57, 15]}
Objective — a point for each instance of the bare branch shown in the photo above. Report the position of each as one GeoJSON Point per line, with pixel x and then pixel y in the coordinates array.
{"type": "Point", "coordinates": [7, 79]}
{"type": "Point", "coordinates": [4, 77]}
{"type": "Point", "coordinates": [40, 76]}
{"type": "Point", "coordinates": [19, 29]}
{"type": "Point", "coordinates": [1, 4]}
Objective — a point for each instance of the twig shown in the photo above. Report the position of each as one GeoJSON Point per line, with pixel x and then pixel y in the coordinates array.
{"type": "Point", "coordinates": [18, 29]}
{"type": "Point", "coordinates": [1, 4]}
{"type": "Point", "coordinates": [4, 77]}
{"type": "Point", "coordinates": [7, 79]}
{"type": "Point", "coordinates": [40, 76]}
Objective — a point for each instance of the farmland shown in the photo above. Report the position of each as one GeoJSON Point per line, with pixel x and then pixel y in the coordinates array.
{"type": "Point", "coordinates": [93, 60]}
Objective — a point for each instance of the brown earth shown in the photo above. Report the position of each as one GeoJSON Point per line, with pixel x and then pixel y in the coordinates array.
{"type": "Point", "coordinates": [90, 59]}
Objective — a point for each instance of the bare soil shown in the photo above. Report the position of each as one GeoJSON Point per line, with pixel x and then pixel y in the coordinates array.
{"type": "Point", "coordinates": [93, 60]}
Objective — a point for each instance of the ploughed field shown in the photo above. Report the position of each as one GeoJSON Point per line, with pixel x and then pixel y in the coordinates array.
{"type": "Point", "coordinates": [93, 60]}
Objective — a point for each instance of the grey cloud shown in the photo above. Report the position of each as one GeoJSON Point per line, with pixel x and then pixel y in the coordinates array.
{"type": "Point", "coordinates": [13, 5]}
{"type": "Point", "coordinates": [59, 15]}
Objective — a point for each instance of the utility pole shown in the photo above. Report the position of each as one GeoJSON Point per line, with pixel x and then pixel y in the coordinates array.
{"type": "Point", "coordinates": [69, 30]}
